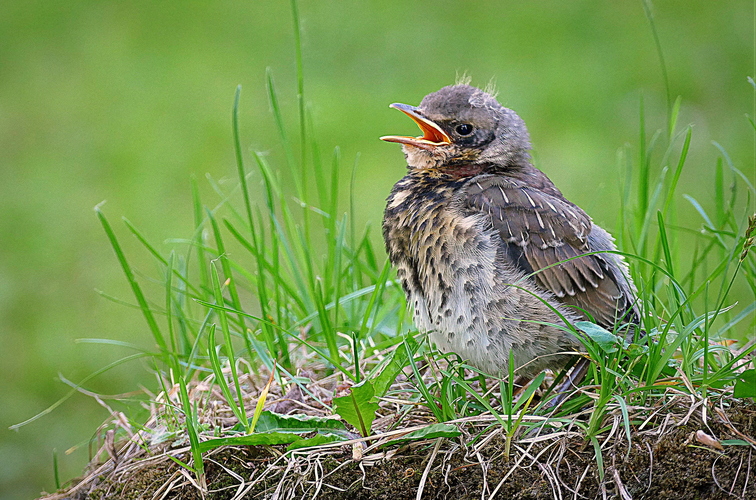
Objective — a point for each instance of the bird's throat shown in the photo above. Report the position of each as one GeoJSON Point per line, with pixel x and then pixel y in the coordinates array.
{"type": "Point", "coordinates": [462, 171]}
{"type": "Point", "coordinates": [448, 172]}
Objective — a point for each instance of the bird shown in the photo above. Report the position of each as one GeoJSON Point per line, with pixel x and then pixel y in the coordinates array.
{"type": "Point", "coordinates": [493, 259]}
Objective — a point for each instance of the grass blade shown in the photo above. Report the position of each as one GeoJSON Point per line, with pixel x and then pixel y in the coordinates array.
{"type": "Point", "coordinates": [136, 289]}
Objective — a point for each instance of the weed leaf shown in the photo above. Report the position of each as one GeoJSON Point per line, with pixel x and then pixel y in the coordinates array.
{"type": "Point", "coordinates": [358, 407]}
{"type": "Point", "coordinates": [606, 340]}
{"type": "Point", "coordinates": [745, 387]}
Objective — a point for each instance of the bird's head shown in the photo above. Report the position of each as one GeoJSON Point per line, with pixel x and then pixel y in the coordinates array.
{"type": "Point", "coordinates": [464, 128]}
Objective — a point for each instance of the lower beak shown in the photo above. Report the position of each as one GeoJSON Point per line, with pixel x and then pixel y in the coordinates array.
{"type": "Point", "coordinates": [433, 136]}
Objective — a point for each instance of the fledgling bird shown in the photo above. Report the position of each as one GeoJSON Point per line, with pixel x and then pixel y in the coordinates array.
{"type": "Point", "coordinates": [477, 235]}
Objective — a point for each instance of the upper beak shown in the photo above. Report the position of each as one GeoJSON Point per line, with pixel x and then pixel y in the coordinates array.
{"type": "Point", "coordinates": [432, 137]}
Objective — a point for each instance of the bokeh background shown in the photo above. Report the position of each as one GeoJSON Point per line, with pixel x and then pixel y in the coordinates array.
{"type": "Point", "coordinates": [125, 101]}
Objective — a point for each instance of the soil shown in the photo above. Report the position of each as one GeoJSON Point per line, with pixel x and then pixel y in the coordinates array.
{"type": "Point", "coordinates": [671, 464]}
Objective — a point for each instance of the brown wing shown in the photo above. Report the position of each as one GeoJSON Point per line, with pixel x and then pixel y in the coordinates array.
{"type": "Point", "coordinates": [541, 229]}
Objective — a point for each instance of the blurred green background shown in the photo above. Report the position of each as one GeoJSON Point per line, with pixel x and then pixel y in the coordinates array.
{"type": "Point", "coordinates": [124, 101]}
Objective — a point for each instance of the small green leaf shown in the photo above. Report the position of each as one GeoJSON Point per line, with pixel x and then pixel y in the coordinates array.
{"type": "Point", "coordinates": [745, 387]}
{"type": "Point", "coordinates": [262, 438]}
{"type": "Point", "coordinates": [605, 339]}
{"type": "Point", "coordinates": [734, 442]}
{"type": "Point", "coordinates": [273, 429]}
{"type": "Point", "coordinates": [314, 441]}
{"type": "Point", "coordinates": [357, 408]}
{"type": "Point", "coordinates": [430, 432]}
{"type": "Point", "coordinates": [270, 422]}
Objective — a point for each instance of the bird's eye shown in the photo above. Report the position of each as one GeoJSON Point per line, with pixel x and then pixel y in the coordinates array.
{"type": "Point", "coordinates": [464, 129]}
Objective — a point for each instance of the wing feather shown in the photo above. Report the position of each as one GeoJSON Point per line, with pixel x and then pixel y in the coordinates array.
{"type": "Point", "coordinates": [540, 227]}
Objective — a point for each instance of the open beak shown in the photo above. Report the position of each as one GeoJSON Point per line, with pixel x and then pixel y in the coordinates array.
{"type": "Point", "coordinates": [433, 136]}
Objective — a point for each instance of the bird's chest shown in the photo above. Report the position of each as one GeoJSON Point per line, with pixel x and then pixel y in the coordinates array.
{"type": "Point", "coordinates": [446, 262]}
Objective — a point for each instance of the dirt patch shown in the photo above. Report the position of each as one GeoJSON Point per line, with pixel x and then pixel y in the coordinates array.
{"type": "Point", "coordinates": [663, 460]}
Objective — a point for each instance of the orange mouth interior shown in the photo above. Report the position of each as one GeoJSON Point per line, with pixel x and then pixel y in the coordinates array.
{"type": "Point", "coordinates": [432, 137]}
